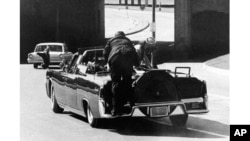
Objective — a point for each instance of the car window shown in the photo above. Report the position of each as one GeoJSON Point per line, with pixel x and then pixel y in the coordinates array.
{"type": "Point", "coordinates": [40, 48]}
{"type": "Point", "coordinates": [55, 48]}
{"type": "Point", "coordinates": [65, 48]}
{"type": "Point", "coordinates": [82, 69]}
{"type": "Point", "coordinates": [92, 56]}
{"type": "Point", "coordinates": [73, 63]}
{"type": "Point", "coordinates": [94, 60]}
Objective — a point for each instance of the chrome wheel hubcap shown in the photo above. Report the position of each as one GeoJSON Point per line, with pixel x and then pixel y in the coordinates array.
{"type": "Point", "coordinates": [90, 116]}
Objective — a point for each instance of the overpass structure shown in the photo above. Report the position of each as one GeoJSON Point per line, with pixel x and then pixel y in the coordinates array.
{"type": "Point", "coordinates": [201, 26]}
{"type": "Point", "coordinates": [78, 23]}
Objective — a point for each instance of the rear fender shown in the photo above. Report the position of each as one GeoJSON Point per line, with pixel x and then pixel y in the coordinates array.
{"type": "Point", "coordinates": [93, 103]}
{"type": "Point", "coordinates": [48, 86]}
{"type": "Point", "coordinates": [190, 87]}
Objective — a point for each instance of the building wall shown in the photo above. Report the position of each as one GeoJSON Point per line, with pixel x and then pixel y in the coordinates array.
{"type": "Point", "coordinates": [201, 27]}
{"type": "Point", "coordinates": [75, 22]}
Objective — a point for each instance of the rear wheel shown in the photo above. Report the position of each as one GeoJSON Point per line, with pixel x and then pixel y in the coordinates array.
{"type": "Point", "coordinates": [54, 105]}
{"type": "Point", "coordinates": [93, 122]}
{"type": "Point", "coordinates": [179, 120]}
{"type": "Point", "coordinates": [35, 65]}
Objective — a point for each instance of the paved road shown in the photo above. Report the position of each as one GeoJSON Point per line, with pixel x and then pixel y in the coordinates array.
{"type": "Point", "coordinates": [133, 20]}
{"type": "Point", "coordinates": [39, 123]}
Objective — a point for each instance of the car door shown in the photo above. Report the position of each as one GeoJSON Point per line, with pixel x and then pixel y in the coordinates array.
{"type": "Point", "coordinates": [55, 53]}
{"type": "Point", "coordinates": [87, 88]}
{"type": "Point", "coordinates": [59, 87]}
{"type": "Point", "coordinates": [61, 79]}
{"type": "Point", "coordinates": [70, 85]}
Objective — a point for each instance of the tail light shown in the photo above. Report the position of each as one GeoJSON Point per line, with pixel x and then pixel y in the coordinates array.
{"type": "Point", "coordinates": [30, 55]}
{"type": "Point", "coordinates": [204, 87]}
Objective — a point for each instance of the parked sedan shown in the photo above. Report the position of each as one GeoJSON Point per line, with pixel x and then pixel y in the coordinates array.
{"type": "Point", "coordinates": [84, 87]}
{"type": "Point", "coordinates": [58, 51]}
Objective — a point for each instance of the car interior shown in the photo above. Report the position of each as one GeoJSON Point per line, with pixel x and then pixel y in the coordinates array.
{"type": "Point", "coordinates": [53, 48]}
{"type": "Point", "coordinates": [92, 62]}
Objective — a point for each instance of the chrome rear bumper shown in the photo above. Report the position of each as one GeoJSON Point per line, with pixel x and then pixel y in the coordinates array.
{"type": "Point", "coordinates": [198, 106]}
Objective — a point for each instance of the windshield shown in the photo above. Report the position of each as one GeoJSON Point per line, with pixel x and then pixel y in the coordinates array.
{"type": "Point", "coordinates": [53, 48]}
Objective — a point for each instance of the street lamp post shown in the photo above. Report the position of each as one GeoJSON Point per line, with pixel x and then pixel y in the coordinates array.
{"type": "Point", "coordinates": [153, 17]}
{"type": "Point", "coordinates": [160, 6]}
{"type": "Point", "coordinates": [153, 29]}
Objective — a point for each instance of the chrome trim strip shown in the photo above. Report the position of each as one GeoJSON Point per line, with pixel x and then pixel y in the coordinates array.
{"type": "Point", "coordinates": [158, 104]}
{"type": "Point", "coordinates": [175, 103]}
{"type": "Point", "coordinates": [197, 111]}
{"type": "Point", "coordinates": [188, 100]}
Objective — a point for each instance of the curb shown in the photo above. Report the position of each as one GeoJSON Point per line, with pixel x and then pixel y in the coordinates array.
{"type": "Point", "coordinates": [130, 33]}
{"type": "Point", "coordinates": [215, 69]}
{"type": "Point", "coordinates": [135, 31]}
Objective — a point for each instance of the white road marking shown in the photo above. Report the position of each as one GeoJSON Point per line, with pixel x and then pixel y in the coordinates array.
{"type": "Point", "coordinates": [197, 130]}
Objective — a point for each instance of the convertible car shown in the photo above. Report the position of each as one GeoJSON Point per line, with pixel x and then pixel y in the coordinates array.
{"type": "Point", "coordinates": [84, 87]}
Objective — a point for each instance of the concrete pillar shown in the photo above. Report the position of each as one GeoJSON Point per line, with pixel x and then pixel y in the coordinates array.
{"type": "Point", "coordinates": [120, 2]}
{"type": "Point", "coordinates": [139, 2]}
{"type": "Point", "coordinates": [146, 3]}
{"type": "Point", "coordinates": [201, 27]}
{"type": "Point", "coordinates": [132, 2]}
{"type": "Point", "coordinates": [48, 21]}
{"type": "Point", "coordinates": [182, 28]}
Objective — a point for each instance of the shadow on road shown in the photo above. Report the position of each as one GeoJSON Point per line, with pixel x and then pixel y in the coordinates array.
{"type": "Point", "coordinates": [143, 127]}
{"type": "Point", "coordinates": [138, 126]}
{"type": "Point", "coordinates": [54, 67]}
{"type": "Point", "coordinates": [209, 125]}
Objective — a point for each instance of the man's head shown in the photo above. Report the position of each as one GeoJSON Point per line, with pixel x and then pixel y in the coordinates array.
{"type": "Point", "coordinates": [150, 44]}
{"type": "Point", "coordinates": [47, 49]}
{"type": "Point", "coordinates": [150, 41]}
{"type": "Point", "coordinates": [119, 34]}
